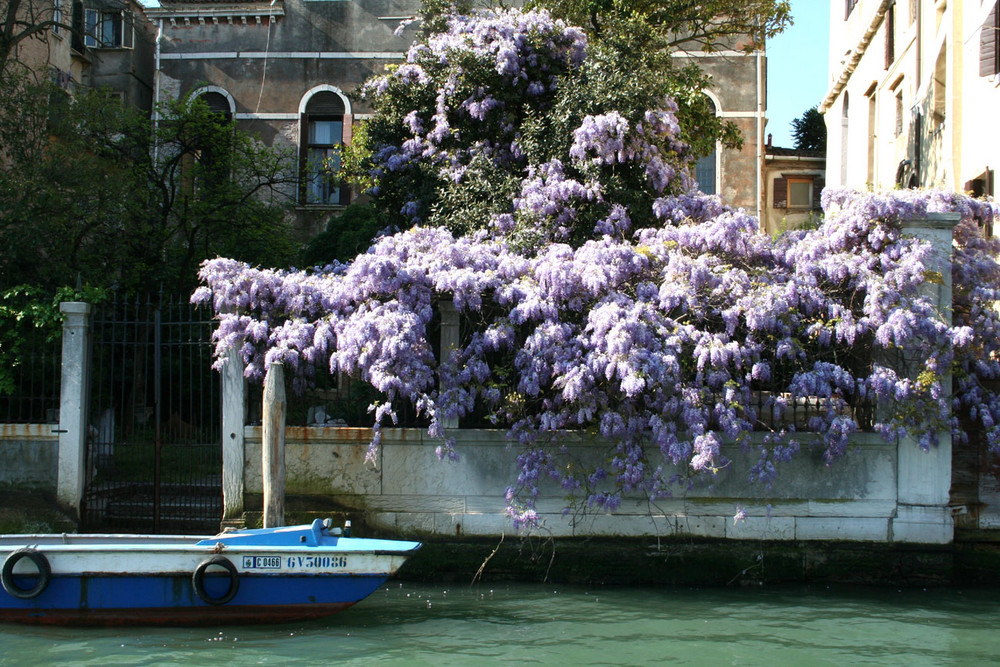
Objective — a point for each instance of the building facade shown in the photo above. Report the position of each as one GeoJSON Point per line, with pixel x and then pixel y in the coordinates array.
{"type": "Point", "coordinates": [793, 182]}
{"type": "Point", "coordinates": [739, 94]}
{"type": "Point", "coordinates": [291, 71]}
{"type": "Point", "coordinates": [99, 44]}
{"type": "Point", "coordinates": [913, 83]}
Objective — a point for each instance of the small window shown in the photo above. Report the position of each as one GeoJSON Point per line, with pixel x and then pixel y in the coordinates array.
{"type": "Point", "coordinates": [57, 16]}
{"type": "Point", "coordinates": [800, 193]}
{"type": "Point", "coordinates": [940, 89]}
{"type": "Point", "coordinates": [706, 168]}
{"type": "Point", "coordinates": [796, 191]}
{"type": "Point", "coordinates": [107, 29]}
{"type": "Point", "coordinates": [704, 173]}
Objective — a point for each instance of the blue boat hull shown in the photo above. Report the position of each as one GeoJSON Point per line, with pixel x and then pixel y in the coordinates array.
{"type": "Point", "coordinates": [172, 601]}
{"type": "Point", "coordinates": [250, 576]}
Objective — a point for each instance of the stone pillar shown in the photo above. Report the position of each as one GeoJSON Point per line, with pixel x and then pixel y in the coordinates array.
{"type": "Point", "coordinates": [233, 453]}
{"type": "Point", "coordinates": [923, 479]}
{"type": "Point", "coordinates": [450, 335]}
{"type": "Point", "coordinates": [72, 473]}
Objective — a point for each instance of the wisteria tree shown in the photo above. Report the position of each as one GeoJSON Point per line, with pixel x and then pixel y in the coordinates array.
{"type": "Point", "coordinates": [486, 120]}
{"type": "Point", "coordinates": [609, 299]}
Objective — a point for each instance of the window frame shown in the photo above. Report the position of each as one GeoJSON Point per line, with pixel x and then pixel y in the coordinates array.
{"type": "Point", "coordinates": [781, 191]}
{"type": "Point", "coordinates": [800, 180]}
{"type": "Point", "coordinates": [310, 174]}
{"type": "Point", "coordinates": [96, 24]}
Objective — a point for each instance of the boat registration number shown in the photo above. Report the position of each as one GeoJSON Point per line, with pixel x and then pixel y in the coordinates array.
{"type": "Point", "coordinates": [317, 562]}
{"type": "Point", "coordinates": [262, 562]}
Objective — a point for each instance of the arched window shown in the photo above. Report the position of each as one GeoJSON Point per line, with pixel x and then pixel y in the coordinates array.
{"type": "Point", "coordinates": [217, 102]}
{"type": "Point", "coordinates": [209, 162]}
{"type": "Point", "coordinates": [322, 136]}
{"type": "Point", "coordinates": [706, 168]}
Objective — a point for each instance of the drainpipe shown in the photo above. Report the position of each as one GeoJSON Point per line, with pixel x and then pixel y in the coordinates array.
{"type": "Point", "coordinates": [917, 82]}
{"type": "Point", "coordinates": [760, 127]}
{"type": "Point", "coordinates": [156, 89]}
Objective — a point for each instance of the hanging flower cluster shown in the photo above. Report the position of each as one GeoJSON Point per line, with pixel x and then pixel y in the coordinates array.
{"type": "Point", "coordinates": [666, 344]}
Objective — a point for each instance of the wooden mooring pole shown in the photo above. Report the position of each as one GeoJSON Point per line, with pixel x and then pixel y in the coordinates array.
{"type": "Point", "coordinates": [273, 446]}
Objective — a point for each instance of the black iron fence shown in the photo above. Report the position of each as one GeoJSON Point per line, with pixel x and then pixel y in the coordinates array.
{"type": "Point", "coordinates": [30, 391]}
{"type": "Point", "coordinates": [154, 454]}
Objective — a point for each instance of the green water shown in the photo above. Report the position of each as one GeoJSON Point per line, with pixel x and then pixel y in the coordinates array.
{"type": "Point", "coordinates": [564, 625]}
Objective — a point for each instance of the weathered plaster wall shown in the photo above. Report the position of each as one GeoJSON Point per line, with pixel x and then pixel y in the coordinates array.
{"type": "Point", "coordinates": [29, 456]}
{"type": "Point", "coordinates": [409, 491]}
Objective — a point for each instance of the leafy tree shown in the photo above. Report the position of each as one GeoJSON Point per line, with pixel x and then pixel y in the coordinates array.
{"type": "Point", "coordinates": [693, 26]}
{"type": "Point", "coordinates": [93, 192]}
{"type": "Point", "coordinates": [809, 131]}
{"type": "Point", "coordinates": [645, 34]}
{"type": "Point", "coordinates": [30, 315]}
{"type": "Point", "coordinates": [483, 125]}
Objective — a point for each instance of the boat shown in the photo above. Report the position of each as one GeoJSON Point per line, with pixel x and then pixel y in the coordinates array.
{"type": "Point", "coordinates": [264, 575]}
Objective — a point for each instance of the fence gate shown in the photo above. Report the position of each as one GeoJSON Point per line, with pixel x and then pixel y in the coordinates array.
{"type": "Point", "coordinates": [154, 452]}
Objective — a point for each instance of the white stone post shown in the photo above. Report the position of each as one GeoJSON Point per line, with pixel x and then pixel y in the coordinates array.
{"type": "Point", "coordinates": [233, 454]}
{"type": "Point", "coordinates": [923, 480]}
{"type": "Point", "coordinates": [273, 446]}
{"type": "Point", "coordinates": [73, 405]}
{"type": "Point", "coordinates": [450, 334]}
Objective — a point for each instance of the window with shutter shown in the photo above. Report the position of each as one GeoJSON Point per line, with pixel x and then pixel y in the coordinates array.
{"type": "Point", "coordinates": [988, 46]}
{"type": "Point", "coordinates": [818, 184]}
{"type": "Point", "coordinates": [780, 198]}
{"type": "Point", "coordinates": [797, 191]}
{"type": "Point", "coordinates": [323, 135]}
{"type": "Point", "coordinates": [890, 36]}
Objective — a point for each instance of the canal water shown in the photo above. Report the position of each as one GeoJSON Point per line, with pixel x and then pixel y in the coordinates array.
{"type": "Point", "coordinates": [518, 624]}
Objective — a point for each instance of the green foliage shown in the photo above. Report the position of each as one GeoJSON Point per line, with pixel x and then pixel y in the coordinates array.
{"type": "Point", "coordinates": [644, 33]}
{"type": "Point", "coordinates": [30, 315]}
{"type": "Point", "coordinates": [618, 76]}
{"type": "Point", "coordinates": [693, 26]}
{"type": "Point", "coordinates": [434, 14]}
{"type": "Point", "coordinates": [93, 191]}
{"type": "Point", "coordinates": [809, 131]}
{"type": "Point", "coordinates": [346, 236]}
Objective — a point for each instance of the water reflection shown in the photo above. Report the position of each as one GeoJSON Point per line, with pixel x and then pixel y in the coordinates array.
{"type": "Point", "coordinates": [563, 625]}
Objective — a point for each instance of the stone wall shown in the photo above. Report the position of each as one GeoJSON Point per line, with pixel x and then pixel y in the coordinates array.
{"type": "Point", "coordinates": [29, 453]}
{"type": "Point", "coordinates": [409, 491]}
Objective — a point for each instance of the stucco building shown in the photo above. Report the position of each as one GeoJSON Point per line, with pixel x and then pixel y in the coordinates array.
{"type": "Point", "coordinates": [105, 44]}
{"type": "Point", "coordinates": [290, 71]}
{"type": "Point", "coordinates": [793, 182]}
{"type": "Point", "coordinates": [913, 86]}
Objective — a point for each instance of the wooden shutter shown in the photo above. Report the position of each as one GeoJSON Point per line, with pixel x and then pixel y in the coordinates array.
{"type": "Point", "coordinates": [325, 103]}
{"type": "Point", "coordinates": [818, 185]}
{"type": "Point", "coordinates": [890, 35]}
{"type": "Point", "coordinates": [988, 44]}
{"type": "Point", "coordinates": [781, 193]}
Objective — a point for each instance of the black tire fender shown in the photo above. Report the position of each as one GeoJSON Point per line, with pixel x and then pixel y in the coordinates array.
{"type": "Point", "coordinates": [198, 580]}
{"type": "Point", "coordinates": [44, 573]}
